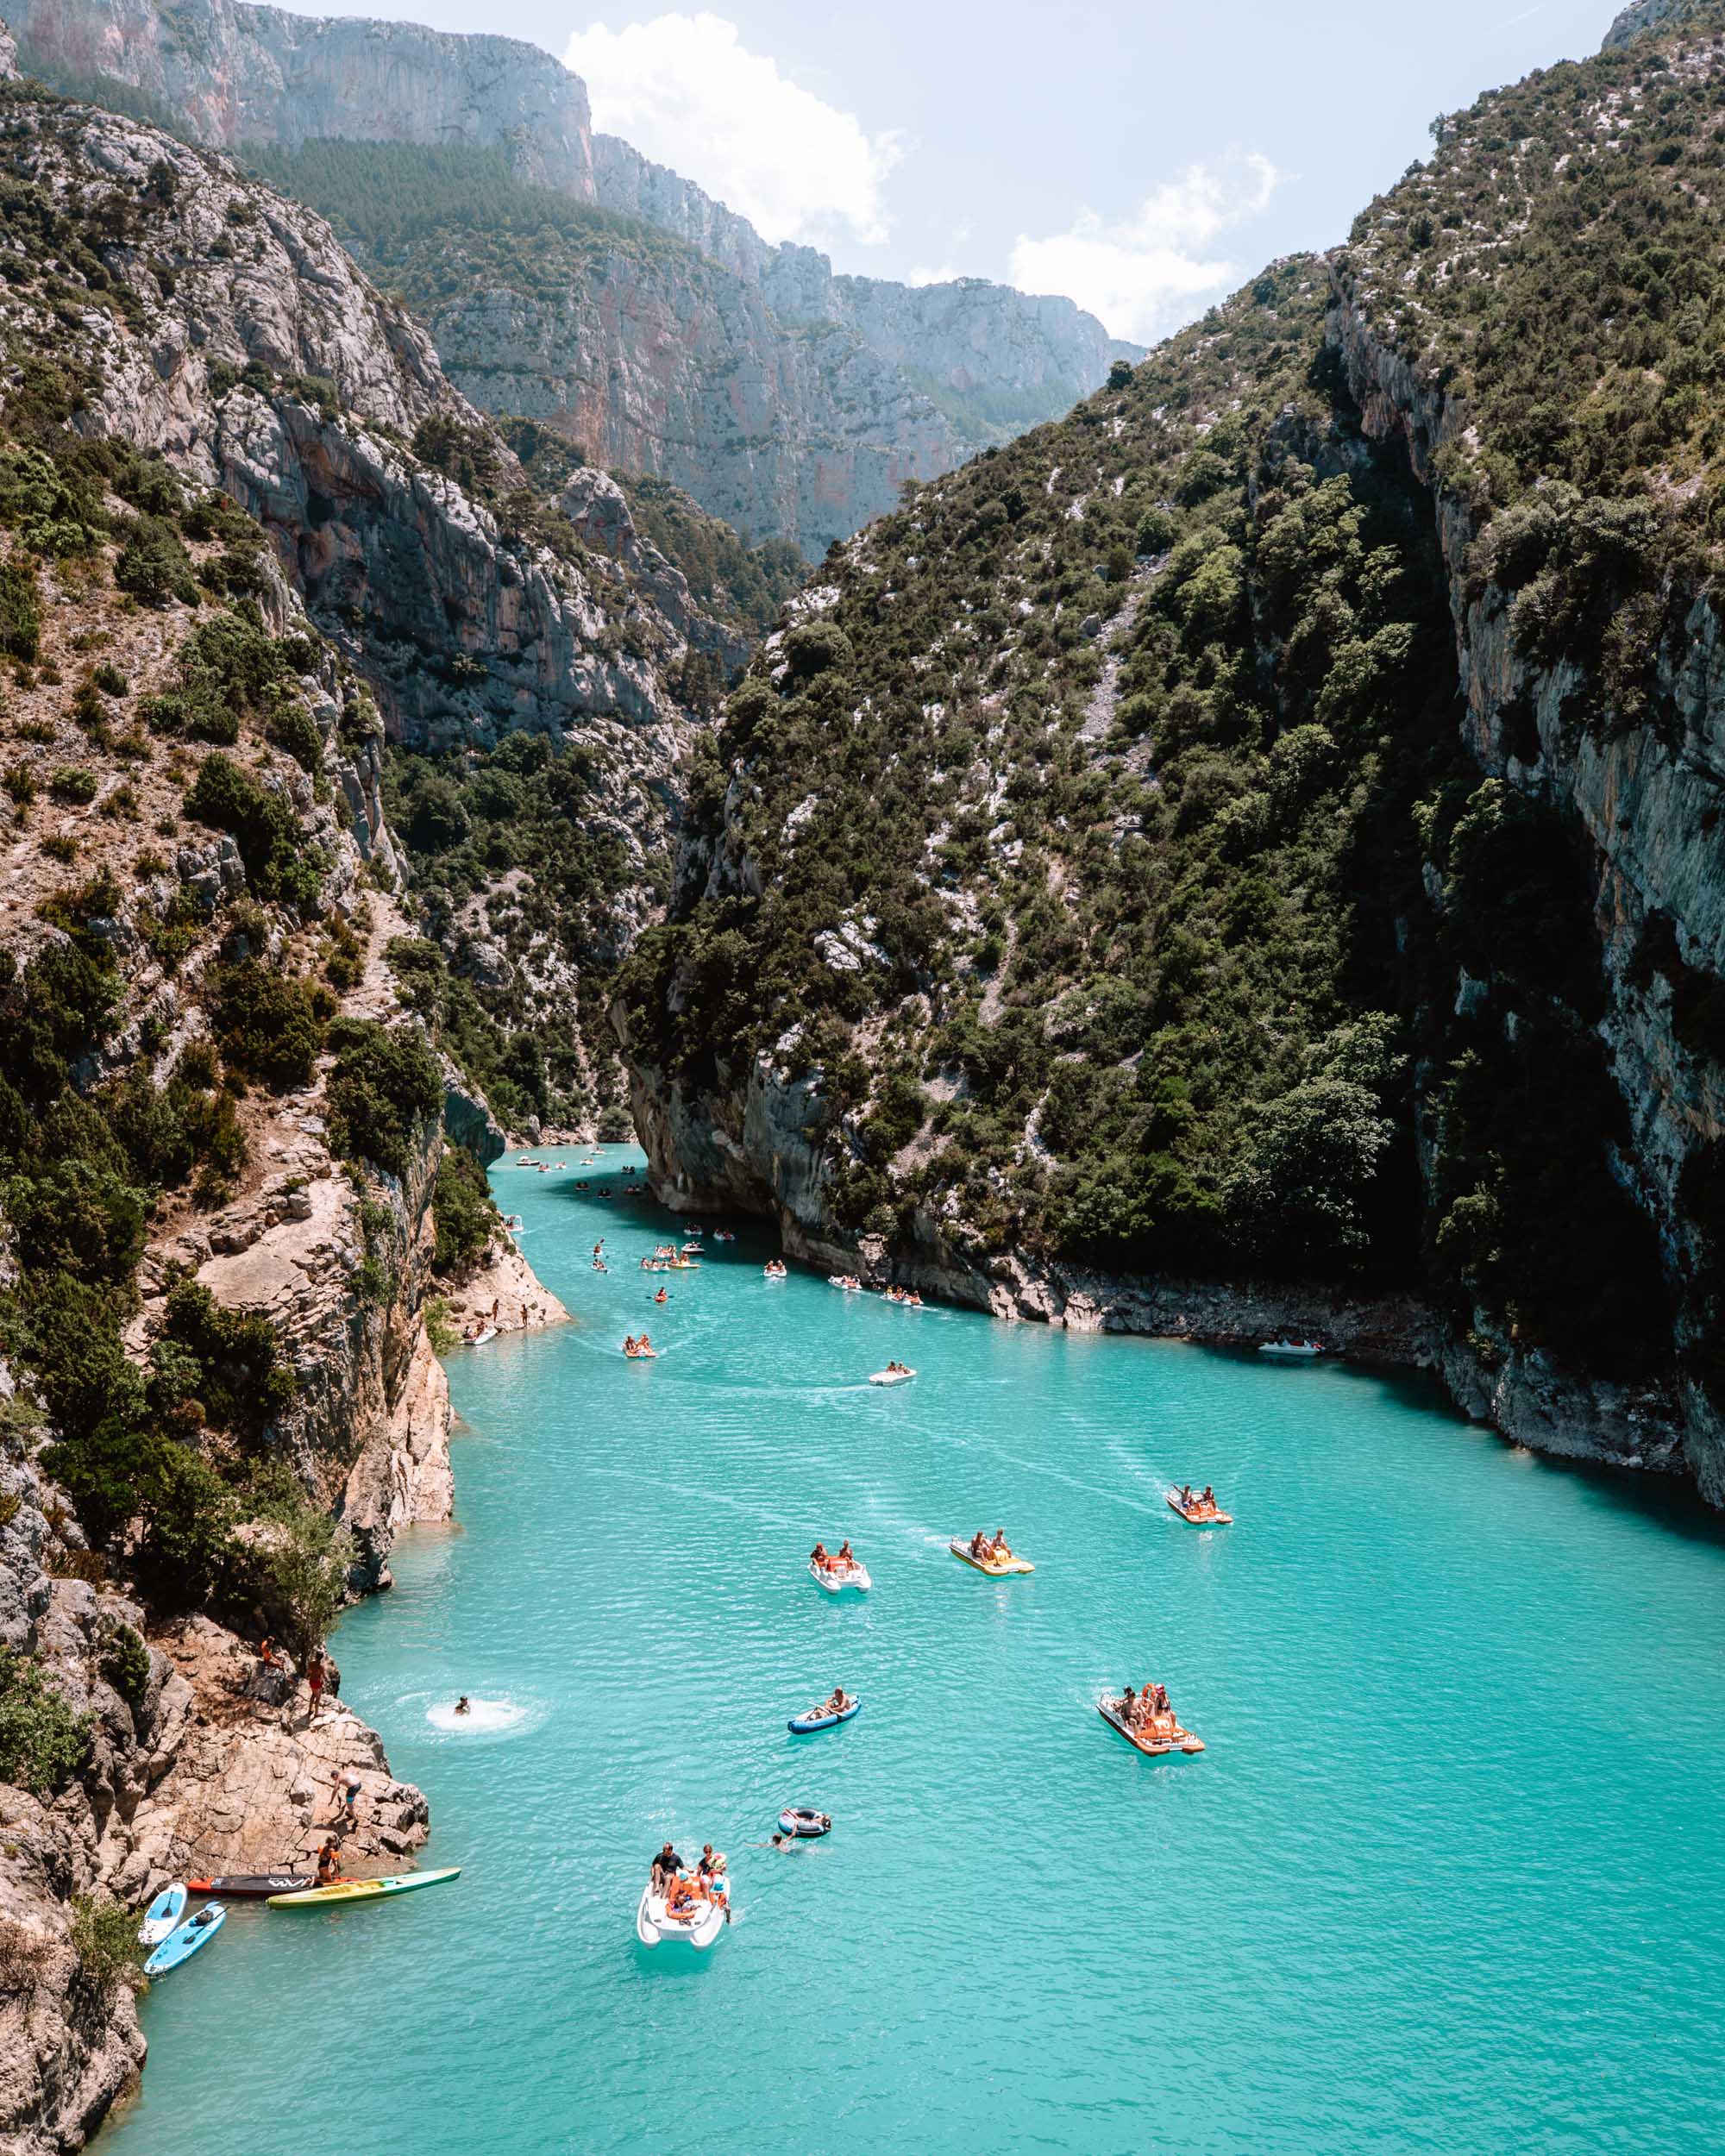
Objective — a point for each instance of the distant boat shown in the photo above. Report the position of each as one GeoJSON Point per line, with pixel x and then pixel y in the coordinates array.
{"type": "Point", "coordinates": [1292, 1350]}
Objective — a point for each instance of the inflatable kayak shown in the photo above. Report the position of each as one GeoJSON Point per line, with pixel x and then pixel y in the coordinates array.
{"type": "Point", "coordinates": [1153, 1744]}
{"type": "Point", "coordinates": [817, 1718]}
{"type": "Point", "coordinates": [253, 1886]}
{"type": "Point", "coordinates": [699, 1924]}
{"type": "Point", "coordinates": [891, 1377]}
{"type": "Point", "coordinates": [361, 1889]}
{"type": "Point", "coordinates": [1197, 1515]}
{"type": "Point", "coordinates": [163, 1915]}
{"type": "Point", "coordinates": [835, 1579]}
{"type": "Point", "coordinates": [180, 1945]}
{"type": "Point", "coordinates": [998, 1569]}
{"type": "Point", "coordinates": [803, 1824]}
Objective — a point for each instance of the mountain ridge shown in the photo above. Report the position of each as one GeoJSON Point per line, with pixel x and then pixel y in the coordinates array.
{"type": "Point", "coordinates": [837, 437]}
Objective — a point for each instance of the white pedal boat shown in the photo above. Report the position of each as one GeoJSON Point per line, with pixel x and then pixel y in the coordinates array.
{"type": "Point", "coordinates": [835, 1579]}
{"type": "Point", "coordinates": [1292, 1350]}
{"type": "Point", "coordinates": [891, 1377]}
{"type": "Point", "coordinates": [655, 1925]}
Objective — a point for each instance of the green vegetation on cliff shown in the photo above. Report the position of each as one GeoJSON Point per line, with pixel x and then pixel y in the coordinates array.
{"type": "Point", "coordinates": [1109, 848]}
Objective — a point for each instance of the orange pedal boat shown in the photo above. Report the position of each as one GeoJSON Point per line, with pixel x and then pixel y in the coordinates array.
{"type": "Point", "coordinates": [1196, 1515]}
{"type": "Point", "coordinates": [1164, 1736]}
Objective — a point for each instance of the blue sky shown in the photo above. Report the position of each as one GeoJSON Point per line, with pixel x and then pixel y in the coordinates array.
{"type": "Point", "coordinates": [1142, 158]}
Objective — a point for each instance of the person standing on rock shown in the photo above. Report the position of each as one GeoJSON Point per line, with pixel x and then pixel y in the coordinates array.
{"type": "Point", "coordinates": [314, 1678]}
{"type": "Point", "coordinates": [345, 1785]}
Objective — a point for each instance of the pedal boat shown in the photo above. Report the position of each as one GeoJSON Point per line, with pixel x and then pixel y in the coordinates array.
{"type": "Point", "coordinates": [656, 1926]}
{"type": "Point", "coordinates": [1165, 1735]}
{"type": "Point", "coordinates": [834, 1578]}
{"type": "Point", "coordinates": [891, 1377]}
{"type": "Point", "coordinates": [1196, 1515]}
{"type": "Point", "coordinates": [998, 1569]}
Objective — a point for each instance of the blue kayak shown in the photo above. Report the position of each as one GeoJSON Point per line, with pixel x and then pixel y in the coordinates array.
{"type": "Point", "coordinates": [180, 1945]}
{"type": "Point", "coordinates": [817, 1718]}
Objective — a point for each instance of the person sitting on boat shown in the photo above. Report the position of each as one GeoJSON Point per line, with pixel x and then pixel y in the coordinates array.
{"type": "Point", "coordinates": [817, 1556]}
{"type": "Point", "coordinates": [462, 1706]}
{"type": "Point", "coordinates": [839, 1701]}
{"type": "Point", "coordinates": [1129, 1706]}
{"type": "Point", "coordinates": [666, 1867]}
{"type": "Point", "coordinates": [999, 1549]}
{"type": "Point", "coordinates": [1208, 1500]}
{"type": "Point", "coordinates": [979, 1547]}
{"type": "Point", "coordinates": [914, 1299]}
{"type": "Point", "coordinates": [664, 1295]}
{"type": "Point", "coordinates": [844, 1561]}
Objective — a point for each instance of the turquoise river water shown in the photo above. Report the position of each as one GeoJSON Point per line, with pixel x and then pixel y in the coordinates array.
{"type": "Point", "coordinates": [1448, 1876]}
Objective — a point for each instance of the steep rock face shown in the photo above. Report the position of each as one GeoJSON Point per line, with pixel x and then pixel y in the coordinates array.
{"type": "Point", "coordinates": [261, 362]}
{"type": "Point", "coordinates": [211, 1764]}
{"type": "Point", "coordinates": [252, 74]}
{"type": "Point", "coordinates": [665, 363]}
{"type": "Point", "coordinates": [1648, 799]}
{"type": "Point", "coordinates": [788, 401]}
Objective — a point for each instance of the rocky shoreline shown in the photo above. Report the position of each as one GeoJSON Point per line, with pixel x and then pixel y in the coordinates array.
{"type": "Point", "coordinates": [214, 1763]}
{"type": "Point", "coordinates": [766, 1158]}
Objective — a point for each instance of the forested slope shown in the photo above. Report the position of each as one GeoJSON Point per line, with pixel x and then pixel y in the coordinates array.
{"type": "Point", "coordinates": [1263, 827]}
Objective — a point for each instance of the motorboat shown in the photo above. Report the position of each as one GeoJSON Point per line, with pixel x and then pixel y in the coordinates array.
{"type": "Point", "coordinates": [695, 1922]}
{"type": "Point", "coordinates": [891, 1377]}
{"type": "Point", "coordinates": [996, 1568]}
{"type": "Point", "coordinates": [1198, 1513]}
{"type": "Point", "coordinates": [834, 1578]}
{"type": "Point", "coordinates": [1161, 1735]}
{"type": "Point", "coordinates": [1292, 1350]}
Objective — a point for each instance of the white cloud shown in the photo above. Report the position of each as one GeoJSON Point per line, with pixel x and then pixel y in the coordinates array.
{"type": "Point", "coordinates": [944, 275]}
{"type": "Point", "coordinates": [1140, 276]}
{"type": "Point", "coordinates": [687, 92]}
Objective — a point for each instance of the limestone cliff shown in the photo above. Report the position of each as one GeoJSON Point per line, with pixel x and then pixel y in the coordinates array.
{"type": "Point", "coordinates": [223, 1132]}
{"type": "Point", "coordinates": [786, 400]}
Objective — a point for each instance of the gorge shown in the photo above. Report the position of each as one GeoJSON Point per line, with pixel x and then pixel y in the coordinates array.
{"type": "Point", "coordinates": [1226, 841]}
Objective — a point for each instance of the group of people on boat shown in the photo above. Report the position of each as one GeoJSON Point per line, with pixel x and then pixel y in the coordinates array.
{"type": "Point", "coordinates": [1206, 1502]}
{"type": "Point", "coordinates": [684, 1890]}
{"type": "Point", "coordinates": [849, 1282]}
{"type": "Point", "coordinates": [908, 1296]}
{"type": "Point", "coordinates": [824, 1561]}
{"type": "Point", "coordinates": [899, 1369]}
{"type": "Point", "coordinates": [988, 1552]}
{"type": "Point", "coordinates": [774, 1269]}
{"type": "Point", "coordinates": [634, 1346]}
{"type": "Point", "coordinates": [1148, 1711]}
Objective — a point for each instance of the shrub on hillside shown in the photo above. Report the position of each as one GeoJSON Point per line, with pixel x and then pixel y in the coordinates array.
{"type": "Point", "coordinates": [267, 1024]}
{"type": "Point", "coordinates": [44, 1740]}
{"type": "Point", "coordinates": [385, 1088]}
